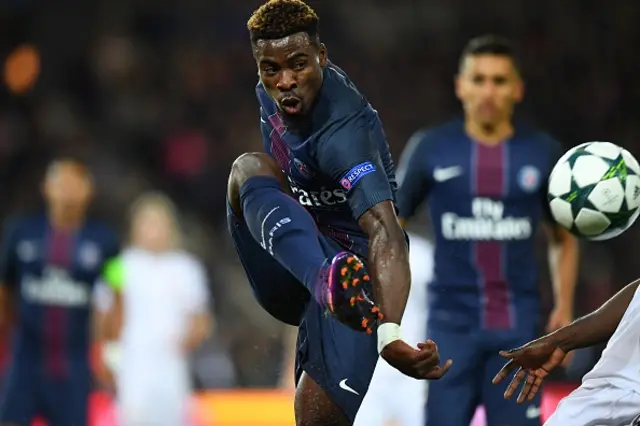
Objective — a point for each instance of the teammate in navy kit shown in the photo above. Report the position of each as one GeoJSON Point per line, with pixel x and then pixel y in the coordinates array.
{"type": "Point", "coordinates": [306, 215]}
{"type": "Point", "coordinates": [484, 179]}
{"type": "Point", "coordinates": [49, 265]}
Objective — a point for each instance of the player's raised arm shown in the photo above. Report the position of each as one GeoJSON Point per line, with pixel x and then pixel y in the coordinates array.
{"type": "Point", "coordinates": [563, 260]}
{"type": "Point", "coordinates": [563, 254]}
{"type": "Point", "coordinates": [535, 360]}
{"type": "Point", "coordinates": [352, 157]}
{"type": "Point", "coordinates": [412, 176]}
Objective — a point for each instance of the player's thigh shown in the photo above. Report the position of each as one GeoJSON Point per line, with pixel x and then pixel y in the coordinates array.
{"type": "Point", "coordinates": [603, 405]}
{"type": "Point", "coordinates": [340, 360]}
{"type": "Point", "coordinates": [499, 411]}
{"type": "Point", "coordinates": [67, 402]}
{"type": "Point", "coordinates": [18, 401]}
{"type": "Point", "coordinates": [314, 407]}
{"type": "Point", "coordinates": [276, 290]}
{"type": "Point", "coordinates": [460, 387]}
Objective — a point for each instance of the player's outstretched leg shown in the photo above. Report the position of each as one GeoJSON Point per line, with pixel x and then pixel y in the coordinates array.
{"type": "Point", "coordinates": [258, 192]}
{"type": "Point", "coordinates": [313, 407]}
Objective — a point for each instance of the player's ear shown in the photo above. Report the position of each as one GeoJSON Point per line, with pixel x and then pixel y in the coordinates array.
{"type": "Point", "coordinates": [519, 93]}
{"type": "Point", "coordinates": [322, 55]}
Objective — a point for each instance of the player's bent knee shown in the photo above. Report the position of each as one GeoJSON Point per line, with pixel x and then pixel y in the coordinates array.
{"type": "Point", "coordinates": [250, 165]}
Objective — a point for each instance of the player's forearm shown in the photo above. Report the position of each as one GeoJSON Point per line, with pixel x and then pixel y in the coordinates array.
{"type": "Point", "coordinates": [598, 326]}
{"type": "Point", "coordinates": [389, 263]}
{"type": "Point", "coordinates": [564, 258]}
{"type": "Point", "coordinates": [199, 330]}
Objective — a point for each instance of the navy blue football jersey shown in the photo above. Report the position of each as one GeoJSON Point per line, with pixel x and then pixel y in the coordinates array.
{"type": "Point", "coordinates": [53, 274]}
{"type": "Point", "coordinates": [486, 204]}
{"type": "Point", "coordinates": [338, 163]}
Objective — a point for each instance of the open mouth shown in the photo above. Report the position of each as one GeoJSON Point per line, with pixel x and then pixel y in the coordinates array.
{"type": "Point", "coordinates": [291, 105]}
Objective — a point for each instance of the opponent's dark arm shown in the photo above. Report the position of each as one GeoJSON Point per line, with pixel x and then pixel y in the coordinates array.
{"type": "Point", "coordinates": [388, 260]}
{"type": "Point", "coordinates": [599, 325]}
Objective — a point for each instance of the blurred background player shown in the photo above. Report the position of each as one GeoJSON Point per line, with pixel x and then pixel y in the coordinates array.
{"type": "Point", "coordinates": [484, 180]}
{"type": "Point", "coordinates": [304, 214]}
{"type": "Point", "coordinates": [394, 399]}
{"type": "Point", "coordinates": [162, 305]}
{"type": "Point", "coordinates": [50, 265]}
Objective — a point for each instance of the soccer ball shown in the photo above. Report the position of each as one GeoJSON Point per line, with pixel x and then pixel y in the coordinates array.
{"type": "Point", "coordinates": [594, 190]}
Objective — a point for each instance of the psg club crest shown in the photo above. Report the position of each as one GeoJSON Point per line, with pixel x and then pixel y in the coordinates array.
{"type": "Point", "coordinates": [529, 178]}
{"type": "Point", "coordinates": [346, 184]}
{"type": "Point", "coordinates": [302, 168]}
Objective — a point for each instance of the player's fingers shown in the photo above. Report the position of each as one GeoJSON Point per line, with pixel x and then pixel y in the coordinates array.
{"type": "Point", "coordinates": [511, 353]}
{"type": "Point", "coordinates": [439, 372]}
{"type": "Point", "coordinates": [427, 364]}
{"type": "Point", "coordinates": [535, 388]}
{"type": "Point", "coordinates": [526, 389]}
{"type": "Point", "coordinates": [515, 383]}
{"type": "Point", "coordinates": [504, 372]}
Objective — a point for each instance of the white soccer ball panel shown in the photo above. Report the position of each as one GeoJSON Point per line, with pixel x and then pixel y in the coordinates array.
{"type": "Point", "coordinates": [569, 153]}
{"type": "Point", "coordinates": [632, 192]}
{"type": "Point", "coordinates": [631, 161]}
{"type": "Point", "coordinates": [591, 223]}
{"type": "Point", "coordinates": [560, 179]}
{"type": "Point", "coordinates": [588, 169]}
{"type": "Point", "coordinates": [561, 212]}
{"type": "Point", "coordinates": [604, 149]}
{"type": "Point", "coordinates": [612, 233]}
{"type": "Point", "coordinates": [607, 196]}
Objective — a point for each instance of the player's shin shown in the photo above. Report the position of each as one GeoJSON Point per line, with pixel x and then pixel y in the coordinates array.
{"type": "Point", "coordinates": [286, 230]}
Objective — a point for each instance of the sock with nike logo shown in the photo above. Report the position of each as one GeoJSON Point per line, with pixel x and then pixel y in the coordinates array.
{"type": "Point", "coordinates": [286, 230]}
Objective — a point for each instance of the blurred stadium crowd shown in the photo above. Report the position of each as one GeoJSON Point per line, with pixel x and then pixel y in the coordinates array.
{"type": "Point", "coordinates": [159, 94]}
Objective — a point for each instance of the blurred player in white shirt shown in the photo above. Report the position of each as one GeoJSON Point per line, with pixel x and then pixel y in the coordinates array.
{"type": "Point", "coordinates": [393, 398]}
{"type": "Point", "coordinates": [162, 311]}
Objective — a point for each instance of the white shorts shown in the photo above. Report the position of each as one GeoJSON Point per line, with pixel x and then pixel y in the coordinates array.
{"type": "Point", "coordinates": [392, 397]}
{"type": "Point", "coordinates": [597, 404]}
{"type": "Point", "coordinates": [157, 397]}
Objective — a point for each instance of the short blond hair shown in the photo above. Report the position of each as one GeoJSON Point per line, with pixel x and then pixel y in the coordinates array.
{"type": "Point", "coordinates": [159, 201]}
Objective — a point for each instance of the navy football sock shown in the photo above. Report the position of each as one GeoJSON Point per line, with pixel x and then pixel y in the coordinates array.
{"type": "Point", "coordinates": [286, 230]}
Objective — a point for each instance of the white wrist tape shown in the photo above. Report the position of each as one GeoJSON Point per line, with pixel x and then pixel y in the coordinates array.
{"type": "Point", "coordinates": [111, 355]}
{"type": "Point", "coordinates": [387, 333]}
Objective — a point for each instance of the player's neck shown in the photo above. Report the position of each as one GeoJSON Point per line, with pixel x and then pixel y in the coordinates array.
{"type": "Point", "coordinates": [489, 135]}
{"type": "Point", "coordinates": [65, 222]}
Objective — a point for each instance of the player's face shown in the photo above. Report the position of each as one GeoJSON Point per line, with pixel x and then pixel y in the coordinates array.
{"type": "Point", "coordinates": [68, 189]}
{"type": "Point", "coordinates": [290, 69]}
{"type": "Point", "coordinates": [489, 87]}
{"type": "Point", "coordinates": [153, 229]}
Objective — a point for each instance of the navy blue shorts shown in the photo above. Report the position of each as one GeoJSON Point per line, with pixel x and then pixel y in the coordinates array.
{"type": "Point", "coordinates": [27, 393]}
{"type": "Point", "coordinates": [336, 357]}
{"type": "Point", "coordinates": [468, 383]}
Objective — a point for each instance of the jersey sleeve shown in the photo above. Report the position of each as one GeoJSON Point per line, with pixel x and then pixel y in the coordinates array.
{"type": "Point", "coordinates": [113, 273]}
{"type": "Point", "coordinates": [9, 259]}
{"type": "Point", "coordinates": [413, 179]}
{"type": "Point", "coordinates": [265, 129]}
{"type": "Point", "coordinates": [351, 157]}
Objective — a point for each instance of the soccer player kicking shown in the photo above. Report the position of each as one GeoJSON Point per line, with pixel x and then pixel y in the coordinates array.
{"type": "Point", "coordinates": [484, 179]}
{"type": "Point", "coordinates": [50, 266]}
{"type": "Point", "coordinates": [305, 215]}
{"type": "Point", "coordinates": [610, 392]}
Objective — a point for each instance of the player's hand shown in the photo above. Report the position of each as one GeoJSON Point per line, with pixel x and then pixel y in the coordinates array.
{"type": "Point", "coordinates": [559, 317]}
{"type": "Point", "coordinates": [533, 362]}
{"type": "Point", "coordinates": [422, 363]}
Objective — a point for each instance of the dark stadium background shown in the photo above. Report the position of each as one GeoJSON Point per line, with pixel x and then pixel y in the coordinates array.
{"type": "Point", "coordinates": [158, 93]}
